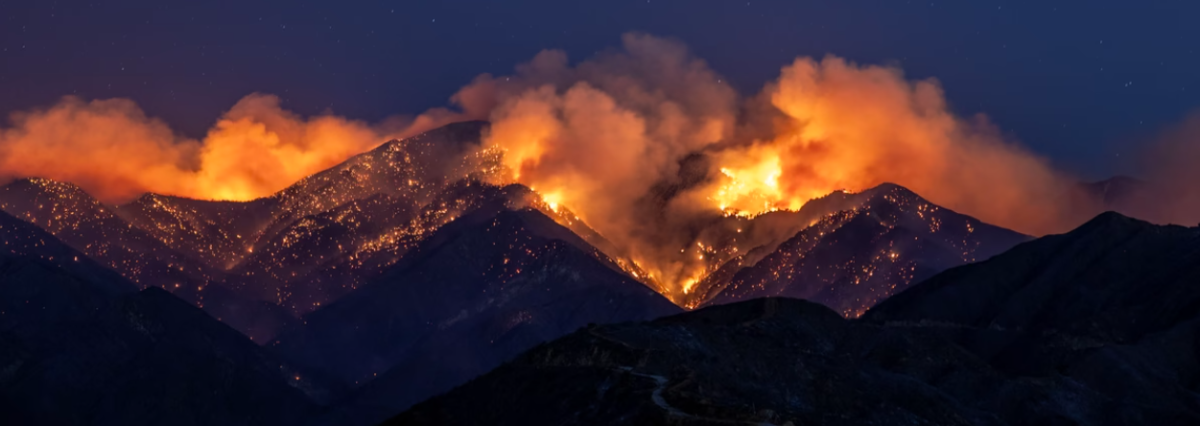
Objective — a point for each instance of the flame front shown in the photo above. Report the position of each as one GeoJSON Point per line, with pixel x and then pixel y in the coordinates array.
{"type": "Point", "coordinates": [749, 185]}
{"type": "Point", "coordinates": [607, 137]}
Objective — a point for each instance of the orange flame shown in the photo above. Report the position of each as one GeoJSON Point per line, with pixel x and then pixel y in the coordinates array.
{"type": "Point", "coordinates": [854, 127]}
{"type": "Point", "coordinates": [114, 151]}
{"type": "Point", "coordinates": [645, 144]}
{"type": "Point", "coordinates": [603, 137]}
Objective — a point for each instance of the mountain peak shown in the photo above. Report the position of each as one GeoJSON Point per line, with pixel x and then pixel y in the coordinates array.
{"type": "Point", "coordinates": [861, 248]}
{"type": "Point", "coordinates": [57, 189]}
{"type": "Point", "coordinates": [889, 187]}
{"type": "Point", "coordinates": [1110, 221]}
{"type": "Point", "coordinates": [459, 132]}
{"type": "Point", "coordinates": [1102, 272]}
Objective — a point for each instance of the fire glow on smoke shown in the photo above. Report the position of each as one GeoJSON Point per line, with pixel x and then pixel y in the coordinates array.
{"type": "Point", "coordinates": [641, 143]}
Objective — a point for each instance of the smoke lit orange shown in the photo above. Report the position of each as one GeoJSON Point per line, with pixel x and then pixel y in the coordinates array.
{"type": "Point", "coordinates": [602, 137]}
{"type": "Point", "coordinates": [645, 144]}
{"type": "Point", "coordinates": [114, 151]}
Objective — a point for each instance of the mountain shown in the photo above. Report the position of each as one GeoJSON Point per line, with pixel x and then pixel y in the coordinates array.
{"type": "Point", "coordinates": [861, 249]}
{"type": "Point", "coordinates": [480, 290]}
{"type": "Point", "coordinates": [82, 222]}
{"type": "Point", "coordinates": [218, 233]}
{"type": "Point", "coordinates": [256, 265]}
{"type": "Point", "coordinates": [320, 258]}
{"type": "Point", "coordinates": [321, 237]}
{"type": "Point", "coordinates": [1113, 305]}
{"type": "Point", "coordinates": [1094, 327]}
{"type": "Point", "coordinates": [40, 272]}
{"type": "Point", "coordinates": [79, 344]}
{"type": "Point", "coordinates": [414, 169]}
{"type": "Point", "coordinates": [76, 218]}
{"type": "Point", "coordinates": [772, 361]}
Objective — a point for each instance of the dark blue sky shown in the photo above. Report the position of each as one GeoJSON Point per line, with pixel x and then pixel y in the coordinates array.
{"type": "Point", "coordinates": [1078, 81]}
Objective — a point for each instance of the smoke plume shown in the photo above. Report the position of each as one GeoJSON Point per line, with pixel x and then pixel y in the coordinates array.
{"type": "Point", "coordinates": [1170, 193]}
{"type": "Point", "coordinates": [607, 138]}
{"type": "Point", "coordinates": [113, 150]}
{"type": "Point", "coordinates": [853, 127]}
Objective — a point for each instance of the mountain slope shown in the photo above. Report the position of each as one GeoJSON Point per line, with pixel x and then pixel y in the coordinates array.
{"type": "Point", "coordinates": [80, 345]}
{"type": "Point", "coordinates": [1095, 327]}
{"type": "Point", "coordinates": [320, 258]}
{"type": "Point", "coordinates": [1112, 304]}
{"type": "Point", "coordinates": [298, 249]}
{"type": "Point", "coordinates": [79, 220]}
{"type": "Point", "coordinates": [870, 246]}
{"type": "Point", "coordinates": [796, 363]}
{"type": "Point", "coordinates": [480, 290]}
{"type": "Point", "coordinates": [413, 169]}
{"type": "Point", "coordinates": [215, 232]}
{"type": "Point", "coordinates": [1111, 267]}
{"type": "Point", "coordinates": [308, 244]}
{"type": "Point", "coordinates": [44, 279]}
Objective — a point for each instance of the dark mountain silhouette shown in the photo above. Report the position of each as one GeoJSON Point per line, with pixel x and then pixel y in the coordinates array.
{"type": "Point", "coordinates": [80, 345]}
{"type": "Point", "coordinates": [861, 249]}
{"type": "Point", "coordinates": [1095, 327]}
{"type": "Point", "coordinates": [487, 286]}
{"type": "Point", "coordinates": [1113, 305]}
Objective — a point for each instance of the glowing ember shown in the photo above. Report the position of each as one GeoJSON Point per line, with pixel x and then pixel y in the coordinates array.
{"type": "Point", "coordinates": [552, 200]}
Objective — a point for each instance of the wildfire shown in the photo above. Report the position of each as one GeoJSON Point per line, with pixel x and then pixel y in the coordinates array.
{"type": "Point", "coordinates": [552, 200]}
{"type": "Point", "coordinates": [604, 137]}
{"type": "Point", "coordinates": [688, 285]}
{"type": "Point", "coordinates": [645, 144]}
{"type": "Point", "coordinates": [114, 151]}
{"type": "Point", "coordinates": [750, 185]}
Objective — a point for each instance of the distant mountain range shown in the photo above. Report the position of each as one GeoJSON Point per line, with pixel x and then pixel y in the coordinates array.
{"type": "Point", "coordinates": [396, 276]}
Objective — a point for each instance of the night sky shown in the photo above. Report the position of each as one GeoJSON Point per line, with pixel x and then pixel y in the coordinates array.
{"type": "Point", "coordinates": [1077, 81]}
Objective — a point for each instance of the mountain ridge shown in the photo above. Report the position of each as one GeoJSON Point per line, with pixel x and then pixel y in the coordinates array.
{"type": "Point", "coordinates": [81, 345]}
{"type": "Point", "coordinates": [481, 289]}
{"type": "Point", "coordinates": [1100, 347]}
